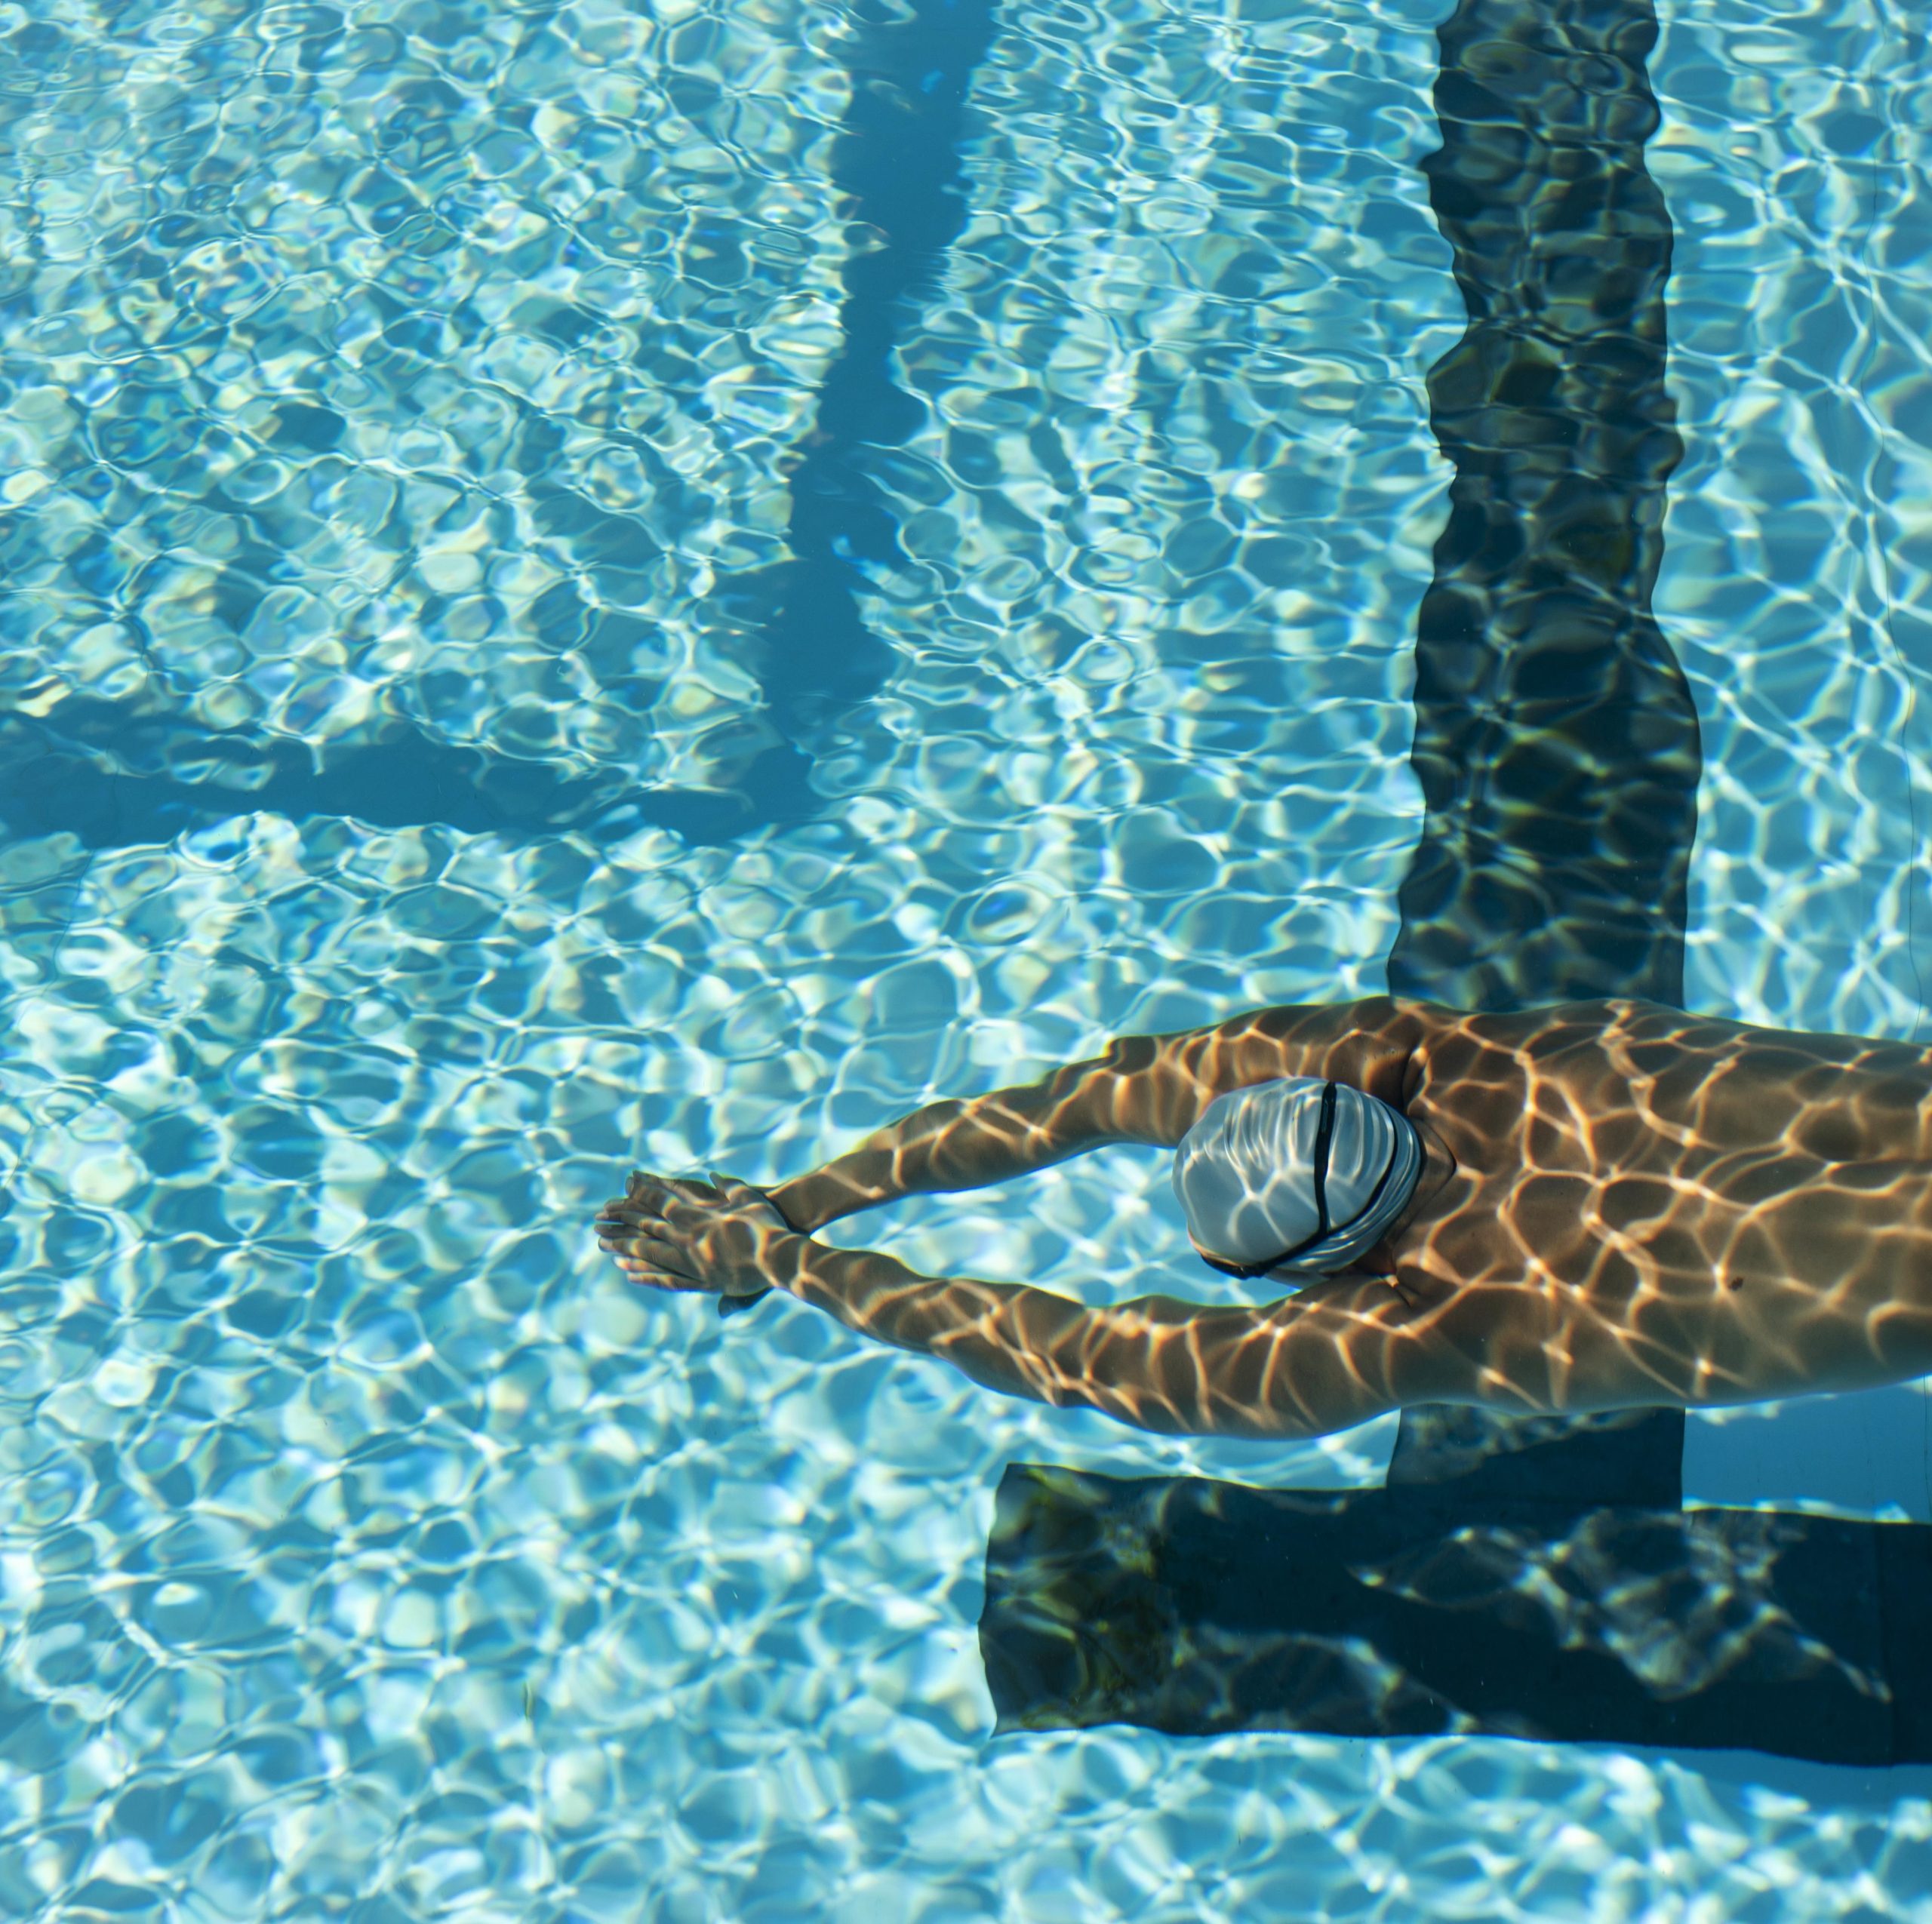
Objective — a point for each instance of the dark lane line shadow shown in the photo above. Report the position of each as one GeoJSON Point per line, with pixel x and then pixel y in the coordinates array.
{"type": "Point", "coordinates": [1556, 740]}
{"type": "Point", "coordinates": [1531, 1576]}
{"type": "Point", "coordinates": [115, 777]}
{"type": "Point", "coordinates": [116, 774]}
{"type": "Point", "coordinates": [895, 166]}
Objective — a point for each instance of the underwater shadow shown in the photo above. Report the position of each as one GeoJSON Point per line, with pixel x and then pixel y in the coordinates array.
{"type": "Point", "coordinates": [1523, 1576]}
{"type": "Point", "coordinates": [895, 168]}
{"type": "Point", "coordinates": [117, 774]}
{"type": "Point", "coordinates": [1498, 1601]}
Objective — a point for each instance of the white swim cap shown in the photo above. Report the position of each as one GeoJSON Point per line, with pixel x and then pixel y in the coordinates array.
{"type": "Point", "coordinates": [1295, 1174]}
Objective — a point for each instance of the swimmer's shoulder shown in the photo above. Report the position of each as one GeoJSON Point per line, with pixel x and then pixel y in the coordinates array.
{"type": "Point", "coordinates": [1370, 1042]}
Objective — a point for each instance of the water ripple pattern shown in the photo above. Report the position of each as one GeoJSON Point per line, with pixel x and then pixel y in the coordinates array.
{"type": "Point", "coordinates": [1794, 590]}
{"type": "Point", "coordinates": [365, 1549]}
{"type": "Point", "coordinates": [360, 371]}
{"type": "Point", "coordinates": [1170, 517]}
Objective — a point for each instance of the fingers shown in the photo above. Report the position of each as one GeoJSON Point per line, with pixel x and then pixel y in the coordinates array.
{"type": "Point", "coordinates": [630, 1228]}
{"type": "Point", "coordinates": [637, 1253]}
{"type": "Point", "coordinates": [736, 1195]}
{"type": "Point", "coordinates": [659, 1230]}
{"type": "Point", "coordinates": [614, 1219]}
{"type": "Point", "coordinates": [643, 1186]}
{"type": "Point", "coordinates": [641, 1192]}
{"type": "Point", "coordinates": [668, 1285]}
{"type": "Point", "coordinates": [650, 1190]}
{"type": "Point", "coordinates": [653, 1275]}
{"type": "Point", "coordinates": [640, 1242]}
{"type": "Point", "coordinates": [651, 1198]}
{"type": "Point", "coordinates": [634, 1213]}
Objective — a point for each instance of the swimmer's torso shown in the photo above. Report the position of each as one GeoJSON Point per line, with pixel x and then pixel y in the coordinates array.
{"type": "Point", "coordinates": [1716, 1211]}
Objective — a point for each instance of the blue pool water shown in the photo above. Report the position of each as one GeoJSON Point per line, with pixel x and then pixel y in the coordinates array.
{"type": "Point", "coordinates": [407, 415]}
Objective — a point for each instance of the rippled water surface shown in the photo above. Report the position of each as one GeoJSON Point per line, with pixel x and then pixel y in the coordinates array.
{"type": "Point", "coordinates": [422, 380]}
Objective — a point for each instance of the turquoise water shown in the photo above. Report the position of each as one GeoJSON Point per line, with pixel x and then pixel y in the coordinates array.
{"type": "Point", "coordinates": [367, 1549]}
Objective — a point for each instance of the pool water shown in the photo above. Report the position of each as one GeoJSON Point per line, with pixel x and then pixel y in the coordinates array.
{"type": "Point", "coordinates": [406, 410]}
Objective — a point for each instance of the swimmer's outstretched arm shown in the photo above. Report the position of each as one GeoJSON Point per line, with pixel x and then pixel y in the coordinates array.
{"type": "Point", "coordinates": [1142, 1088]}
{"type": "Point", "coordinates": [1304, 1367]}
{"type": "Point", "coordinates": [1323, 1360]}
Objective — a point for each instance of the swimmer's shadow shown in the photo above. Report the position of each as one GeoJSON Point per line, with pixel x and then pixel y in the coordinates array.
{"type": "Point", "coordinates": [1486, 1590]}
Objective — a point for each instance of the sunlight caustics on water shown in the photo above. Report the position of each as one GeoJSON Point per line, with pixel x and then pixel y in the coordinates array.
{"type": "Point", "coordinates": [399, 403]}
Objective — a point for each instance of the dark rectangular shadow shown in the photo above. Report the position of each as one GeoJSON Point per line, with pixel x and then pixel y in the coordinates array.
{"type": "Point", "coordinates": [1556, 742]}
{"type": "Point", "coordinates": [895, 171]}
{"type": "Point", "coordinates": [1199, 1608]}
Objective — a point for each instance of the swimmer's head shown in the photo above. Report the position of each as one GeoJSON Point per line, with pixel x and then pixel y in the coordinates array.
{"type": "Point", "coordinates": [1297, 1174]}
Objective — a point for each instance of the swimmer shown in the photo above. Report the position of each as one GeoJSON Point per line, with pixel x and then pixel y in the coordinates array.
{"type": "Point", "coordinates": [1599, 1205]}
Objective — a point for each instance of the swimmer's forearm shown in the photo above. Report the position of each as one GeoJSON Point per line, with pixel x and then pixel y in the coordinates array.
{"type": "Point", "coordinates": [932, 1153]}
{"type": "Point", "coordinates": [1159, 1364]}
{"type": "Point", "coordinates": [1019, 1340]}
{"type": "Point", "coordinates": [969, 1143]}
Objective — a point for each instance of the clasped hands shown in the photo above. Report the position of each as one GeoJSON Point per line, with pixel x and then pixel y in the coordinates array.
{"type": "Point", "coordinates": [722, 1237]}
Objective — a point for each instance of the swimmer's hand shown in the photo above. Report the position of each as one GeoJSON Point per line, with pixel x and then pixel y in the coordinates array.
{"type": "Point", "coordinates": [722, 1237]}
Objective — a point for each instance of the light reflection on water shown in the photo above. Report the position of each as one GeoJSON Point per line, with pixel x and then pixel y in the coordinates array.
{"type": "Point", "coordinates": [1793, 585]}
{"type": "Point", "coordinates": [365, 1542]}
